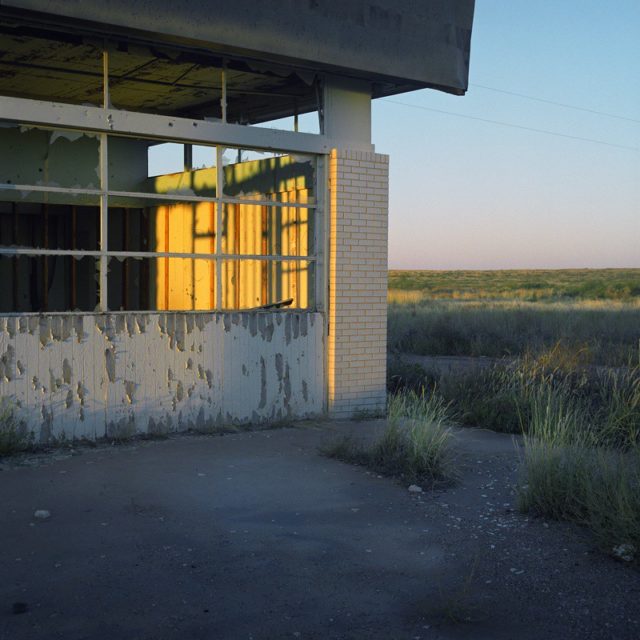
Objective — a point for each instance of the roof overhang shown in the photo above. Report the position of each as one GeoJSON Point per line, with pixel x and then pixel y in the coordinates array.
{"type": "Point", "coordinates": [396, 45]}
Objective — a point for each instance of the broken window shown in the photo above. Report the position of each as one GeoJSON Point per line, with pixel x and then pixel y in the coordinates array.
{"type": "Point", "coordinates": [179, 226]}
{"type": "Point", "coordinates": [109, 221]}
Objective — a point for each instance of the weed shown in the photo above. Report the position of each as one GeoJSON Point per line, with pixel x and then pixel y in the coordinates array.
{"type": "Point", "coordinates": [416, 445]}
{"type": "Point", "coordinates": [403, 375]}
{"type": "Point", "coordinates": [598, 488]}
{"type": "Point", "coordinates": [14, 435]}
{"type": "Point", "coordinates": [578, 467]}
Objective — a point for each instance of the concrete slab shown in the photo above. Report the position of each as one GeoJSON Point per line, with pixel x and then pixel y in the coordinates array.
{"type": "Point", "coordinates": [255, 535]}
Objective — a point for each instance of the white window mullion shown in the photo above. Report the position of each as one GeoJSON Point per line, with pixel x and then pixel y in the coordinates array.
{"type": "Point", "coordinates": [104, 188]}
{"type": "Point", "coordinates": [219, 212]}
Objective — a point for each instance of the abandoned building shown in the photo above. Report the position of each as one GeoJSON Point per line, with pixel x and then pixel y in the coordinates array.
{"type": "Point", "coordinates": [174, 252]}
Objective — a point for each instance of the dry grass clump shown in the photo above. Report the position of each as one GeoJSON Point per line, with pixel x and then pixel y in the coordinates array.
{"type": "Point", "coordinates": [502, 397]}
{"type": "Point", "coordinates": [416, 445]}
{"type": "Point", "coordinates": [574, 470]}
{"type": "Point", "coordinates": [14, 435]}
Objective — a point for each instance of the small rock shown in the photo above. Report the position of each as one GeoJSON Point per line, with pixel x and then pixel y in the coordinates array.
{"type": "Point", "coordinates": [414, 488]}
{"type": "Point", "coordinates": [42, 514]}
{"type": "Point", "coordinates": [625, 552]}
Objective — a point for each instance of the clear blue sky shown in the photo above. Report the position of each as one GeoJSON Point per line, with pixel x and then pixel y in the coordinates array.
{"type": "Point", "coordinates": [471, 194]}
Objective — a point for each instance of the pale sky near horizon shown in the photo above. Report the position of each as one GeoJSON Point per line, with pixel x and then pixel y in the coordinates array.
{"type": "Point", "coordinates": [468, 194]}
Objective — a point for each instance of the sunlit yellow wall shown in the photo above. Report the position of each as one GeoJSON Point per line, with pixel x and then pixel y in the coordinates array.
{"type": "Point", "coordinates": [184, 283]}
{"type": "Point", "coordinates": [249, 228]}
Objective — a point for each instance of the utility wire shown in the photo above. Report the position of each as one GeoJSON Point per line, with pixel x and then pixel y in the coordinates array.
{"type": "Point", "coordinates": [553, 102]}
{"type": "Point", "coordinates": [513, 126]}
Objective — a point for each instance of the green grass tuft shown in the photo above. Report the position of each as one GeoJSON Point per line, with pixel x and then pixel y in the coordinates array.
{"type": "Point", "coordinates": [416, 445]}
{"type": "Point", "coordinates": [14, 435]}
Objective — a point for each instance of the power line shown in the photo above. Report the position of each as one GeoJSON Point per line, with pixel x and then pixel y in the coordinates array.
{"type": "Point", "coordinates": [514, 126]}
{"type": "Point", "coordinates": [553, 102]}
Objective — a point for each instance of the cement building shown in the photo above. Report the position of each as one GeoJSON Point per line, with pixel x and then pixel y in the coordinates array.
{"type": "Point", "coordinates": [168, 259]}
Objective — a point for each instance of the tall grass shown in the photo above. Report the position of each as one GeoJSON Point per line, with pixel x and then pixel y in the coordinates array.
{"type": "Point", "coordinates": [506, 397]}
{"type": "Point", "coordinates": [570, 382]}
{"type": "Point", "coordinates": [415, 446]}
{"type": "Point", "coordinates": [581, 459]}
{"type": "Point", "coordinates": [417, 441]}
{"type": "Point", "coordinates": [574, 470]}
{"type": "Point", "coordinates": [608, 334]}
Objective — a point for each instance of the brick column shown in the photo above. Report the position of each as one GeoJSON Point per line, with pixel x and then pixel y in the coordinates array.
{"type": "Point", "coordinates": [357, 358]}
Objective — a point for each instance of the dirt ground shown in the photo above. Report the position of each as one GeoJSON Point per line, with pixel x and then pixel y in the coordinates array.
{"type": "Point", "coordinates": [255, 535]}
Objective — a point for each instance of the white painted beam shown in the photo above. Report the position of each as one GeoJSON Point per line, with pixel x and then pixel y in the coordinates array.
{"type": "Point", "coordinates": [131, 123]}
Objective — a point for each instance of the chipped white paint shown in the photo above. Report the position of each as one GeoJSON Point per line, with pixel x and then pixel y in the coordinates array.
{"type": "Point", "coordinates": [115, 375]}
{"type": "Point", "coordinates": [114, 121]}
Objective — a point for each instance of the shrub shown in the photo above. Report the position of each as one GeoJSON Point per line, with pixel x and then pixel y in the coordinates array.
{"type": "Point", "coordinates": [403, 375]}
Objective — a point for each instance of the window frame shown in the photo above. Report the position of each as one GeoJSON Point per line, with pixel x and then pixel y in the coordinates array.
{"type": "Point", "coordinates": [318, 154]}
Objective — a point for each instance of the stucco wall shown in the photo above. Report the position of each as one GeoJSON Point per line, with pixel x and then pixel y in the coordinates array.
{"type": "Point", "coordinates": [115, 375]}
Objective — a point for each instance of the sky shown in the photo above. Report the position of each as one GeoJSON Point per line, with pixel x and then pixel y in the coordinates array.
{"type": "Point", "coordinates": [470, 194]}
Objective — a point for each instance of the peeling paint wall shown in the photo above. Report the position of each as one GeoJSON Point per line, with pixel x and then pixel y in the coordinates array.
{"type": "Point", "coordinates": [116, 375]}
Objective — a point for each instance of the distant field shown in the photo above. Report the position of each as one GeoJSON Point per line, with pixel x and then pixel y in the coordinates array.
{"type": "Point", "coordinates": [531, 285]}
{"type": "Point", "coordinates": [566, 374]}
{"type": "Point", "coordinates": [513, 313]}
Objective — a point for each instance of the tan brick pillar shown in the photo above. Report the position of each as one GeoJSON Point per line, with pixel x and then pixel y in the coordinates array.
{"type": "Point", "coordinates": [357, 344]}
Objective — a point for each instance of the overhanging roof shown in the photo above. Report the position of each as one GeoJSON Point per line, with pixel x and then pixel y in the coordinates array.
{"type": "Point", "coordinates": [274, 49]}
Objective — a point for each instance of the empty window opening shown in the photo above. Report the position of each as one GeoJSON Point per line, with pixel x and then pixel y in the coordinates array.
{"type": "Point", "coordinates": [224, 228]}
